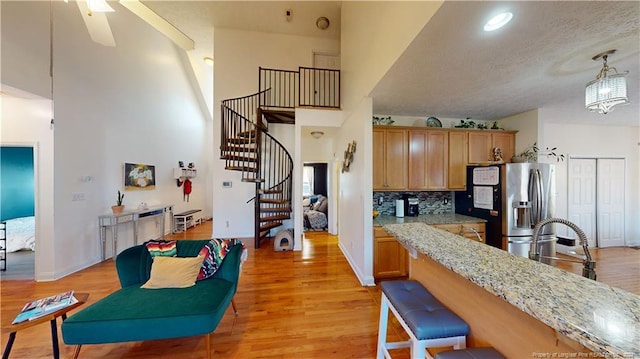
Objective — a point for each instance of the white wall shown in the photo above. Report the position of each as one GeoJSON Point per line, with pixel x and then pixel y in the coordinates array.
{"type": "Point", "coordinates": [373, 35]}
{"type": "Point", "coordinates": [26, 121]}
{"type": "Point", "coordinates": [371, 41]}
{"type": "Point", "coordinates": [526, 124]}
{"type": "Point", "coordinates": [562, 125]}
{"type": "Point", "coordinates": [112, 105]}
{"type": "Point", "coordinates": [596, 141]}
{"type": "Point", "coordinates": [238, 55]}
{"type": "Point", "coordinates": [309, 149]}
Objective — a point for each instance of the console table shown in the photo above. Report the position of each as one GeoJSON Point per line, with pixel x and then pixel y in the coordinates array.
{"type": "Point", "coordinates": [114, 220]}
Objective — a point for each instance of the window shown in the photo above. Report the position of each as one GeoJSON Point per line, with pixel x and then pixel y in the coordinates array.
{"type": "Point", "coordinates": [307, 181]}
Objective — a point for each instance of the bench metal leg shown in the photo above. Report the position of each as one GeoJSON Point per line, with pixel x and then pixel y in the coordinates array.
{"type": "Point", "coordinates": [7, 349]}
{"type": "Point", "coordinates": [233, 304]}
{"type": "Point", "coordinates": [76, 351]}
{"type": "Point", "coordinates": [208, 343]}
{"type": "Point", "coordinates": [54, 339]}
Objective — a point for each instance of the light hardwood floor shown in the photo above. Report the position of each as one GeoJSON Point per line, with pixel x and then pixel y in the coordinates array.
{"type": "Point", "coordinates": [305, 304]}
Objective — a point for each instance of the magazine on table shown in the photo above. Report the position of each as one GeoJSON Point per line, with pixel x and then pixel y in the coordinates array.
{"type": "Point", "coordinates": [41, 307]}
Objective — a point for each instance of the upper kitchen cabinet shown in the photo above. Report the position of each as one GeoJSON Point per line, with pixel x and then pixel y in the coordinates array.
{"type": "Point", "coordinates": [457, 178]}
{"type": "Point", "coordinates": [428, 159]}
{"type": "Point", "coordinates": [389, 159]}
{"type": "Point", "coordinates": [482, 142]}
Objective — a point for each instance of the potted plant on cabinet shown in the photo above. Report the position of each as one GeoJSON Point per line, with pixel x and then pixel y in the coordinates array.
{"type": "Point", "coordinates": [531, 153]}
{"type": "Point", "coordinates": [119, 207]}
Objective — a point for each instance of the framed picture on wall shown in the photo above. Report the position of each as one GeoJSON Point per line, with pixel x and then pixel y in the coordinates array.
{"type": "Point", "coordinates": [139, 177]}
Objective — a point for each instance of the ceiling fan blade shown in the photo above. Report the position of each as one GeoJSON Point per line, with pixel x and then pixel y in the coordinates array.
{"type": "Point", "coordinates": [97, 25]}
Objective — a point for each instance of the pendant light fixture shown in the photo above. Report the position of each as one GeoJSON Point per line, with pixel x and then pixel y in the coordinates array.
{"type": "Point", "coordinates": [608, 89]}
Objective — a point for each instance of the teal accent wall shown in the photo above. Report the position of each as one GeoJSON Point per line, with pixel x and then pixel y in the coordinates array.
{"type": "Point", "coordinates": [16, 182]}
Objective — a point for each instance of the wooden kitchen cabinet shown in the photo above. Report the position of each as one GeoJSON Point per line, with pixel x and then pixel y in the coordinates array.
{"type": "Point", "coordinates": [481, 144]}
{"type": "Point", "coordinates": [479, 147]}
{"type": "Point", "coordinates": [390, 159]}
{"type": "Point", "coordinates": [457, 166]}
{"type": "Point", "coordinates": [390, 258]}
{"type": "Point", "coordinates": [428, 159]}
{"type": "Point", "coordinates": [467, 230]}
{"type": "Point", "coordinates": [506, 141]}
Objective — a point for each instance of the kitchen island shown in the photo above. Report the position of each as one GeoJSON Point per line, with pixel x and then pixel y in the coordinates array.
{"type": "Point", "coordinates": [523, 308]}
{"type": "Point", "coordinates": [430, 219]}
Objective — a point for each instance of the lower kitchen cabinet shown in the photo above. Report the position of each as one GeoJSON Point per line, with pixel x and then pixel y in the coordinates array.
{"type": "Point", "coordinates": [467, 230]}
{"type": "Point", "coordinates": [390, 258]}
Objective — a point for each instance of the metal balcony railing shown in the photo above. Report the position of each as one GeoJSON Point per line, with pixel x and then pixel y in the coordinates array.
{"type": "Point", "coordinates": [307, 87]}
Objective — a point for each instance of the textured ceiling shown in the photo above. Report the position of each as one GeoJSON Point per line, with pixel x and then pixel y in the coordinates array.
{"type": "Point", "coordinates": [453, 69]}
{"type": "Point", "coordinates": [543, 56]}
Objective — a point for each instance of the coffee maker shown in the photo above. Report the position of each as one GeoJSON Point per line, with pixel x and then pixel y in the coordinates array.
{"type": "Point", "coordinates": [411, 205]}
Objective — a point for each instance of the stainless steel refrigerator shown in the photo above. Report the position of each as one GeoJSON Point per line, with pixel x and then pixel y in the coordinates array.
{"type": "Point", "coordinates": [512, 198]}
{"type": "Point", "coordinates": [530, 190]}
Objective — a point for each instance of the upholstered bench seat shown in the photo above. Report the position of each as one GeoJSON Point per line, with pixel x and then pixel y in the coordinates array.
{"type": "Point", "coordinates": [427, 321]}
{"type": "Point", "coordinates": [136, 314]}
{"type": "Point", "coordinates": [470, 353]}
{"type": "Point", "coordinates": [133, 313]}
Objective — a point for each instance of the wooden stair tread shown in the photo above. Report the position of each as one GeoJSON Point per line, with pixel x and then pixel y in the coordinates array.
{"type": "Point", "coordinates": [242, 168]}
{"type": "Point", "coordinates": [253, 180]}
{"type": "Point", "coordinates": [278, 217]}
{"type": "Point", "coordinates": [230, 148]}
{"type": "Point", "coordinates": [280, 116]}
{"type": "Point", "coordinates": [273, 200]}
{"type": "Point", "coordinates": [241, 140]}
{"type": "Point", "coordinates": [276, 209]}
{"type": "Point", "coordinates": [270, 191]}
{"type": "Point", "coordinates": [239, 158]}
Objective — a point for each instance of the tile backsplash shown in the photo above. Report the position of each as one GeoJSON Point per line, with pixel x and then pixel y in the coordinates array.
{"type": "Point", "coordinates": [430, 202]}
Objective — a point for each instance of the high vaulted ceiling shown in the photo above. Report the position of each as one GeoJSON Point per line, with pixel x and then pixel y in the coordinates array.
{"type": "Point", "coordinates": [453, 69]}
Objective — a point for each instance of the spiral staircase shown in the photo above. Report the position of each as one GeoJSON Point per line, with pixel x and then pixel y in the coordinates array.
{"type": "Point", "coordinates": [247, 146]}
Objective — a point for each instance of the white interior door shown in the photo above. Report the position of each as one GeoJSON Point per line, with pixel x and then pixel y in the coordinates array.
{"type": "Point", "coordinates": [325, 83]}
{"type": "Point", "coordinates": [610, 196]}
{"type": "Point", "coordinates": [582, 197]}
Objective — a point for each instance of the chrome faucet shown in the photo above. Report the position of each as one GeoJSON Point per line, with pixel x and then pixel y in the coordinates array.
{"type": "Point", "coordinates": [589, 269]}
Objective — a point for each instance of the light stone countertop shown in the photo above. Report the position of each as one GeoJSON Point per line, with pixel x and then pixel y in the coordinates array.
{"type": "Point", "coordinates": [449, 218]}
{"type": "Point", "coordinates": [600, 317]}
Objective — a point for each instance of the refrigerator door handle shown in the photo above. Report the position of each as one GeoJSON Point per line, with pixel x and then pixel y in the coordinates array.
{"type": "Point", "coordinates": [535, 193]}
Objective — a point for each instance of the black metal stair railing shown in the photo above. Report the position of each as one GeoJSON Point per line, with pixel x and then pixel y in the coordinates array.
{"type": "Point", "coordinates": [308, 87]}
{"type": "Point", "coordinates": [247, 147]}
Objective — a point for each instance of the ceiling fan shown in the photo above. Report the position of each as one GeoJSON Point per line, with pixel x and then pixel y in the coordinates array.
{"type": "Point", "coordinates": [94, 16]}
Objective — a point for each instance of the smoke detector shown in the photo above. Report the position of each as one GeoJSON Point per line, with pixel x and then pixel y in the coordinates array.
{"type": "Point", "coordinates": [322, 23]}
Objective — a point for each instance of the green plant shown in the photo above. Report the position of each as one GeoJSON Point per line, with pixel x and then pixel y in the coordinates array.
{"type": "Point", "coordinates": [382, 120]}
{"type": "Point", "coordinates": [120, 198]}
{"type": "Point", "coordinates": [531, 153]}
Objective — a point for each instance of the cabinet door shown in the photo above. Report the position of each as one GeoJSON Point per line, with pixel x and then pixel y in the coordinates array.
{"type": "Point", "coordinates": [438, 151]}
{"type": "Point", "coordinates": [457, 170]}
{"type": "Point", "coordinates": [390, 258]}
{"type": "Point", "coordinates": [428, 159]}
{"type": "Point", "coordinates": [378, 159]}
{"type": "Point", "coordinates": [479, 147]}
{"type": "Point", "coordinates": [506, 143]}
{"type": "Point", "coordinates": [395, 160]}
{"type": "Point", "coordinates": [418, 147]}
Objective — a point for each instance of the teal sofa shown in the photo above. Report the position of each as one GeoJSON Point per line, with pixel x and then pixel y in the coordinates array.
{"type": "Point", "coordinates": [136, 314]}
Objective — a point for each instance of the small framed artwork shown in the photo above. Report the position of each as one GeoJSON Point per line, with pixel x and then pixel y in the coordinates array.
{"type": "Point", "coordinates": [139, 177]}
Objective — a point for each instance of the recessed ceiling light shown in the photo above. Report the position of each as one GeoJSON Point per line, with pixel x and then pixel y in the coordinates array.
{"type": "Point", "coordinates": [208, 60]}
{"type": "Point", "coordinates": [498, 21]}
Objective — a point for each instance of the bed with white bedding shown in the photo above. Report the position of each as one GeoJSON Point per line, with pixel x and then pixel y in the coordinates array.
{"type": "Point", "coordinates": [21, 234]}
